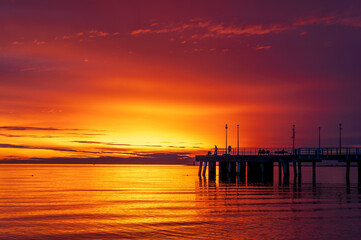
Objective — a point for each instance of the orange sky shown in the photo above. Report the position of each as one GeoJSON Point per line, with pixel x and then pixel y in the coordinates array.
{"type": "Point", "coordinates": [134, 78]}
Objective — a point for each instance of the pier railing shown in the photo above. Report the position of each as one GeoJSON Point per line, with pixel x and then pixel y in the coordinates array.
{"type": "Point", "coordinates": [324, 151]}
{"type": "Point", "coordinates": [329, 151]}
{"type": "Point", "coordinates": [254, 151]}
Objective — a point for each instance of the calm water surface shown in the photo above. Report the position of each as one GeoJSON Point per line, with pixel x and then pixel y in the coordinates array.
{"type": "Point", "coordinates": [171, 202]}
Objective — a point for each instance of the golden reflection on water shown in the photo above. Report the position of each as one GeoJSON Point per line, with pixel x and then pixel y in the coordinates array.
{"type": "Point", "coordinates": [165, 201]}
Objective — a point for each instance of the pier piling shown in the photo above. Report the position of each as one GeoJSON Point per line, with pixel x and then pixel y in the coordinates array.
{"type": "Point", "coordinates": [254, 172]}
{"type": "Point", "coordinates": [279, 173]}
{"type": "Point", "coordinates": [359, 173]}
{"type": "Point", "coordinates": [241, 171]}
{"type": "Point", "coordinates": [314, 172]}
{"type": "Point", "coordinates": [223, 171]}
{"type": "Point", "coordinates": [232, 169]}
{"type": "Point", "coordinates": [286, 173]}
{"type": "Point", "coordinates": [204, 168]}
{"type": "Point", "coordinates": [286, 169]}
{"type": "Point", "coordinates": [299, 169]}
{"type": "Point", "coordinates": [200, 168]}
{"type": "Point", "coordinates": [212, 171]}
{"type": "Point", "coordinates": [268, 173]}
{"type": "Point", "coordinates": [295, 169]}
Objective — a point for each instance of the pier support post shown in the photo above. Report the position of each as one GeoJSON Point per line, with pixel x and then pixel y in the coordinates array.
{"type": "Point", "coordinates": [262, 172]}
{"type": "Point", "coordinates": [212, 171]}
{"type": "Point", "coordinates": [286, 173]}
{"type": "Point", "coordinates": [348, 171]}
{"type": "Point", "coordinates": [359, 173]}
{"type": "Point", "coordinates": [223, 171]}
{"type": "Point", "coordinates": [268, 173]}
{"type": "Point", "coordinates": [232, 170]}
{"type": "Point", "coordinates": [254, 172]}
{"type": "Point", "coordinates": [314, 172]}
{"type": "Point", "coordinates": [204, 168]}
{"type": "Point", "coordinates": [286, 169]}
{"type": "Point", "coordinates": [295, 169]}
{"type": "Point", "coordinates": [200, 168]}
{"type": "Point", "coordinates": [241, 172]}
{"type": "Point", "coordinates": [279, 173]}
{"type": "Point", "coordinates": [299, 169]}
{"type": "Point", "coordinates": [299, 173]}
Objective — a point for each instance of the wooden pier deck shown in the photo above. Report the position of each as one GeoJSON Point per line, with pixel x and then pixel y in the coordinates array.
{"type": "Point", "coordinates": [261, 160]}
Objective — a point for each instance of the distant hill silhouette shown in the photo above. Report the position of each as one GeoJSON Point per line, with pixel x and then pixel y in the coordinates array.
{"type": "Point", "coordinates": [157, 158]}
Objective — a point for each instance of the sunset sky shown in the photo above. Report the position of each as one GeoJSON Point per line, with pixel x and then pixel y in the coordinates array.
{"type": "Point", "coordinates": [153, 79]}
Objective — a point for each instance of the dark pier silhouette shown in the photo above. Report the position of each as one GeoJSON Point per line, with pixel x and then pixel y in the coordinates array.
{"type": "Point", "coordinates": [256, 164]}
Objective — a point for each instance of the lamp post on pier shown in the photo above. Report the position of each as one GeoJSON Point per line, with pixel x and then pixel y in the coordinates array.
{"type": "Point", "coordinates": [314, 162]}
{"type": "Point", "coordinates": [319, 137]}
{"type": "Point", "coordinates": [237, 139]}
{"type": "Point", "coordinates": [293, 150]}
{"type": "Point", "coordinates": [226, 139]}
{"type": "Point", "coordinates": [293, 139]}
{"type": "Point", "coordinates": [339, 140]}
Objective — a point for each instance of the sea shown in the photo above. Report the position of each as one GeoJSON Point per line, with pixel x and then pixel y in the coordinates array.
{"type": "Point", "coordinates": [172, 202]}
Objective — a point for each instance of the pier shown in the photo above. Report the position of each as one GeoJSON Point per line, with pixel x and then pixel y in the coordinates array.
{"type": "Point", "coordinates": [257, 163]}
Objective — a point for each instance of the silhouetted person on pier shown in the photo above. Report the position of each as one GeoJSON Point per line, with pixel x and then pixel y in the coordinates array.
{"type": "Point", "coordinates": [229, 149]}
{"type": "Point", "coordinates": [283, 151]}
{"type": "Point", "coordinates": [215, 150]}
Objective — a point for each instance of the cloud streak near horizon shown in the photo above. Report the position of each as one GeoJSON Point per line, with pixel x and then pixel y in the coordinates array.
{"type": "Point", "coordinates": [22, 128]}
{"type": "Point", "coordinates": [208, 29]}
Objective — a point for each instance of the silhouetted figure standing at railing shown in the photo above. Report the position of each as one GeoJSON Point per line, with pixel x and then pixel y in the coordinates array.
{"type": "Point", "coordinates": [215, 150]}
{"type": "Point", "coordinates": [229, 149]}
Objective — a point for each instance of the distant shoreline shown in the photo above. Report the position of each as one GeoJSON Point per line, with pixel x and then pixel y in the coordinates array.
{"type": "Point", "coordinates": [168, 160]}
